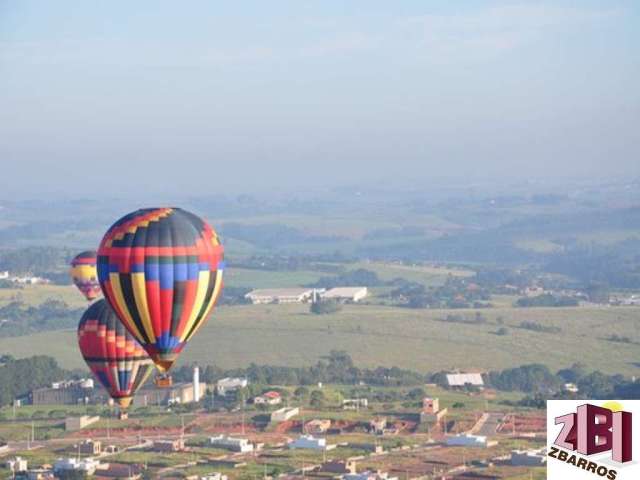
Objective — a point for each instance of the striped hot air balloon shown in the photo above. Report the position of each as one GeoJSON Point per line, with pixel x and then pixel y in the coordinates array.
{"type": "Point", "coordinates": [161, 271]}
{"type": "Point", "coordinates": [115, 358]}
{"type": "Point", "coordinates": [85, 274]}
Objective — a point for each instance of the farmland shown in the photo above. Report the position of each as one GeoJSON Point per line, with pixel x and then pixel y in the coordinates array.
{"type": "Point", "coordinates": [392, 336]}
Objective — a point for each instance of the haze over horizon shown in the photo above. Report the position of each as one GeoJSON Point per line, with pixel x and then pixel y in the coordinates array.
{"type": "Point", "coordinates": [120, 97]}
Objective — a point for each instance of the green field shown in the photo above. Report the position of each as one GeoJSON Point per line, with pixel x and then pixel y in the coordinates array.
{"type": "Point", "coordinates": [378, 335]}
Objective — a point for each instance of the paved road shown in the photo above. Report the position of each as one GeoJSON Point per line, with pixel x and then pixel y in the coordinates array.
{"type": "Point", "coordinates": [490, 426]}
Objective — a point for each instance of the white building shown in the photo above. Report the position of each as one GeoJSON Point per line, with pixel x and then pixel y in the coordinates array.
{"type": "Point", "coordinates": [87, 465]}
{"type": "Point", "coordinates": [369, 476]}
{"type": "Point", "coordinates": [17, 464]}
{"type": "Point", "coordinates": [230, 384]}
{"type": "Point", "coordinates": [311, 443]}
{"type": "Point", "coordinates": [345, 294]}
{"type": "Point", "coordinates": [354, 403]}
{"type": "Point", "coordinates": [463, 379]}
{"type": "Point", "coordinates": [463, 440]}
{"type": "Point", "coordinates": [241, 445]}
{"type": "Point", "coordinates": [280, 295]}
{"type": "Point", "coordinates": [4, 275]}
{"type": "Point", "coordinates": [214, 476]}
{"type": "Point", "coordinates": [284, 414]}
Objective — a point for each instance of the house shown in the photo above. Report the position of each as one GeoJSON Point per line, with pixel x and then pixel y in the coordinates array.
{"type": "Point", "coordinates": [528, 458]}
{"type": "Point", "coordinates": [63, 393]}
{"type": "Point", "coordinates": [377, 425]}
{"type": "Point", "coordinates": [280, 295]}
{"type": "Point", "coordinates": [268, 398]}
{"type": "Point", "coordinates": [4, 275]}
{"type": "Point", "coordinates": [284, 414]}
{"type": "Point", "coordinates": [90, 447]}
{"type": "Point", "coordinates": [345, 294]}
{"type": "Point", "coordinates": [229, 384]}
{"type": "Point", "coordinates": [241, 445]}
{"type": "Point", "coordinates": [118, 471]}
{"type": "Point", "coordinates": [37, 474]}
{"type": "Point", "coordinates": [65, 465]}
{"type": "Point", "coordinates": [339, 467]}
{"type": "Point", "coordinates": [317, 426]}
{"type": "Point", "coordinates": [431, 412]}
{"type": "Point", "coordinates": [16, 465]}
{"type": "Point", "coordinates": [310, 442]}
{"type": "Point", "coordinates": [176, 445]}
{"type": "Point", "coordinates": [464, 379]}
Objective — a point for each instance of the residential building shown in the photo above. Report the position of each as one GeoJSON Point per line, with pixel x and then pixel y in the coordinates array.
{"type": "Point", "coordinates": [119, 471]}
{"type": "Point", "coordinates": [339, 467]}
{"type": "Point", "coordinates": [86, 465]}
{"type": "Point", "coordinates": [176, 445]}
{"type": "Point", "coordinates": [317, 426]}
{"type": "Point", "coordinates": [17, 464]}
{"type": "Point", "coordinates": [345, 294]}
{"type": "Point", "coordinates": [241, 445]}
{"type": "Point", "coordinates": [528, 458]}
{"type": "Point", "coordinates": [268, 398]}
{"type": "Point", "coordinates": [284, 414]}
{"type": "Point", "coordinates": [90, 447]}
{"type": "Point", "coordinates": [431, 412]}
{"type": "Point", "coordinates": [378, 425]}
{"type": "Point", "coordinates": [229, 384]}
{"type": "Point", "coordinates": [280, 295]}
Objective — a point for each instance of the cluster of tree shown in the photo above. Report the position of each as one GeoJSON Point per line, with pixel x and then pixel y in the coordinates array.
{"type": "Point", "coordinates": [547, 300]}
{"type": "Point", "coordinates": [36, 260]}
{"type": "Point", "coordinates": [477, 319]}
{"type": "Point", "coordinates": [324, 307]}
{"type": "Point", "coordinates": [538, 327]}
{"type": "Point", "coordinates": [544, 384]}
{"type": "Point", "coordinates": [18, 318]}
{"type": "Point", "coordinates": [455, 293]}
{"type": "Point", "coordinates": [234, 296]}
{"type": "Point", "coordinates": [337, 367]}
{"type": "Point", "coordinates": [19, 377]}
{"type": "Point", "coordinates": [359, 277]}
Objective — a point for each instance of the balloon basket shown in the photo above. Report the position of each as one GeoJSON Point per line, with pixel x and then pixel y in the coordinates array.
{"type": "Point", "coordinates": [163, 381]}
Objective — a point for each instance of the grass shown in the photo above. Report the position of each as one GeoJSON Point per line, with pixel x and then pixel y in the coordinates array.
{"type": "Point", "coordinates": [34, 295]}
{"type": "Point", "coordinates": [390, 336]}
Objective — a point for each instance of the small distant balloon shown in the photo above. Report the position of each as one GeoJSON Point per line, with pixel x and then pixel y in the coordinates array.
{"type": "Point", "coordinates": [160, 269]}
{"type": "Point", "coordinates": [115, 358]}
{"type": "Point", "coordinates": [85, 274]}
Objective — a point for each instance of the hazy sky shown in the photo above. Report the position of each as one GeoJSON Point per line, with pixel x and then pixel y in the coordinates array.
{"type": "Point", "coordinates": [112, 96]}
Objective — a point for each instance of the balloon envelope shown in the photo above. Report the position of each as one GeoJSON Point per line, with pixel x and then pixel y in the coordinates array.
{"type": "Point", "coordinates": [115, 358]}
{"type": "Point", "coordinates": [161, 271]}
{"type": "Point", "coordinates": [85, 274]}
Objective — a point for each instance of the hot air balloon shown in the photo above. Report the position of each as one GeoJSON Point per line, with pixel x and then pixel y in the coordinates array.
{"type": "Point", "coordinates": [161, 271]}
{"type": "Point", "coordinates": [115, 358]}
{"type": "Point", "coordinates": [85, 275]}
